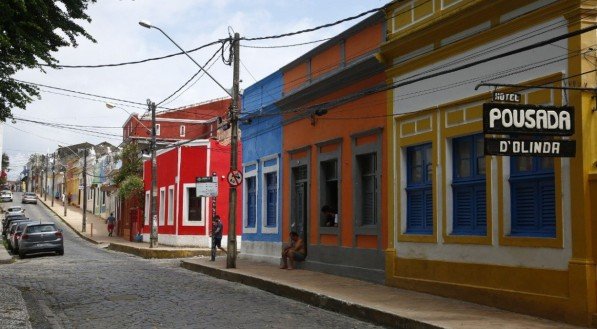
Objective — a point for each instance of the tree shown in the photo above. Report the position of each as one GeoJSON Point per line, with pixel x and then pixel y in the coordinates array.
{"type": "Point", "coordinates": [30, 31]}
{"type": "Point", "coordinates": [129, 177]}
{"type": "Point", "coordinates": [5, 161]}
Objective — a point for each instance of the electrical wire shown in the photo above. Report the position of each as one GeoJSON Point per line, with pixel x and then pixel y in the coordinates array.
{"type": "Point", "coordinates": [130, 62]}
{"type": "Point", "coordinates": [192, 77]}
{"type": "Point", "coordinates": [285, 46]}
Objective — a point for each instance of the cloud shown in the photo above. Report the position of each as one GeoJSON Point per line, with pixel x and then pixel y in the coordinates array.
{"type": "Point", "coordinates": [191, 23]}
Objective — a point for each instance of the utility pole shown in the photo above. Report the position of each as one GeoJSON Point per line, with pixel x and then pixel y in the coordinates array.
{"type": "Point", "coordinates": [65, 199]}
{"type": "Point", "coordinates": [153, 236]}
{"type": "Point", "coordinates": [231, 256]}
{"type": "Point", "coordinates": [53, 177]}
{"type": "Point", "coordinates": [84, 225]}
{"type": "Point", "coordinates": [45, 189]}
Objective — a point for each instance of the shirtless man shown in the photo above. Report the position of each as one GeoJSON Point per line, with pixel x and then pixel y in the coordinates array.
{"type": "Point", "coordinates": [294, 252]}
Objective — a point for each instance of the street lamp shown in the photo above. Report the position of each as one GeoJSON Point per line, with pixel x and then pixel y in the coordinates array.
{"type": "Point", "coordinates": [231, 255]}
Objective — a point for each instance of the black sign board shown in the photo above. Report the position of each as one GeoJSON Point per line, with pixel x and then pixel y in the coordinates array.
{"type": "Point", "coordinates": [506, 97]}
{"type": "Point", "coordinates": [505, 118]}
{"type": "Point", "coordinates": [530, 147]}
{"type": "Point", "coordinates": [208, 179]}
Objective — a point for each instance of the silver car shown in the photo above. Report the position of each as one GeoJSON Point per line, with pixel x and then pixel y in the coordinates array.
{"type": "Point", "coordinates": [15, 210]}
{"type": "Point", "coordinates": [29, 197]}
{"type": "Point", "coordinates": [6, 196]}
{"type": "Point", "coordinates": [41, 237]}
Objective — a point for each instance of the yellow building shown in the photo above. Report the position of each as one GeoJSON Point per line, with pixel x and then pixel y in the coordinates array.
{"type": "Point", "coordinates": [72, 180]}
{"type": "Point", "coordinates": [514, 232]}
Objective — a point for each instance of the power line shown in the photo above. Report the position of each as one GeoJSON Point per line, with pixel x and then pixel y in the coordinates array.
{"type": "Point", "coordinates": [347, 19]}
{"type": "Point", "coordinates": [286, 46]}
{"type": "Point", "coordinates": [131, 62]}
{"type": "Point", "coordinates": [192, 77]}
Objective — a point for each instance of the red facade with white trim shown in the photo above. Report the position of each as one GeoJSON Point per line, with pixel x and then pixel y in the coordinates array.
{"type": "Point", "coordinates": [183, 219]}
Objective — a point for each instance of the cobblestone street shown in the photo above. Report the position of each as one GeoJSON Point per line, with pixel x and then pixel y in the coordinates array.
{"type": "Point", "coordinates": [90, 287]}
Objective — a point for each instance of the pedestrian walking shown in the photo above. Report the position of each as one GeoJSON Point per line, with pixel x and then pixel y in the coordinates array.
{"type": "Point", "coordinates": [111, 221]}
{"type": "Point", "coordinates": [216, 232]}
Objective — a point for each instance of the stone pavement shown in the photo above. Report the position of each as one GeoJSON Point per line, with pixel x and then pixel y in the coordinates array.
{"type": "Point", "coordinates": [14, 313]}
{"type": "Point", "coordinates": [97, 232]}
{"type": "Point", "coordinates": [379, 304]}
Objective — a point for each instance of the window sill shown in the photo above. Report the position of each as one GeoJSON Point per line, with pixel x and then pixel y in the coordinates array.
{"type": "Point", "coordinates": [467, 239]}
{"type": "Point", "coordinates": [366, 230]}
{"type": "Point", "coordinates": [417, 237]}
{"type": "Point", "coordinates": [328, 230]}
{"type": "Point", "coordinates": [534, 242]}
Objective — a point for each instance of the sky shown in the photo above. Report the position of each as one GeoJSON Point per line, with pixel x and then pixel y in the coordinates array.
{"type": "Point", "coordinates": [191, 23]}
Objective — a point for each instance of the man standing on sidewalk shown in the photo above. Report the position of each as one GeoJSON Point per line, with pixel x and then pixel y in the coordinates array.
{"type": "Point", "coordinates": [111, 221]}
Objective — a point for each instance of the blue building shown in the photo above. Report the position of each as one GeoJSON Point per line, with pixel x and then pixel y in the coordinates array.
{"type": "Point", "coordinates": [261, 126]}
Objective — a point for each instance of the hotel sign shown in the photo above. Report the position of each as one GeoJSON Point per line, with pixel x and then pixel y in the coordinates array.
{"type": "Point", "coordinates": [504, 118]}
{"type": "Point", "coordinates": [532, 130]}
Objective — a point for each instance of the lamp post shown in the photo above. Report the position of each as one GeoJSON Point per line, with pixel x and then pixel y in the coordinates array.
{"type": "Point", "coordinates": [231, 255]}
{"type": "Point", "coordinates": [84, 224]}
{"type": "Point", "coordinates": [53, 176]}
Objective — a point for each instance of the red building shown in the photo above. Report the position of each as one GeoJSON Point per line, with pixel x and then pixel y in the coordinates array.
{"type": "Point", "coordinates": [197, 121]}
{"type": "Point", "coordinates": [184, 219]}
{"type": "Point", "coordinates": [193, 122]}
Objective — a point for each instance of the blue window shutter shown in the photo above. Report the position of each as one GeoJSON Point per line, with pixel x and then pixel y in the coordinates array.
{"type": "Point", "coordinates": [524, 212]}
{"type": "Point", "coordinates": [480, 224]}
{"type": "Point", "coordinates": [251, 202]}
{"type": "Point", "coordinates": [463, 209]}
{"type": "Point", "coordinates": [272, 199]}
{"type": "Point", "coordinates": [428, 210]}
{"type": "Point", "coordinates": [415, 211]}
{"type": "Point", "coordinates": [547, 206]}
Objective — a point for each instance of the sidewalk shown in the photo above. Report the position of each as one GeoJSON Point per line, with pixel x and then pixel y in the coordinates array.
{"type": "Point", "coordinates": [375, 303]}
{"type": "Point", "coordinates": [97, 232]}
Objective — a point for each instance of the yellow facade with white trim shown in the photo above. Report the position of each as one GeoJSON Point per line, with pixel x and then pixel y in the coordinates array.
{"type": "Point", "coordinates": [552, 277]}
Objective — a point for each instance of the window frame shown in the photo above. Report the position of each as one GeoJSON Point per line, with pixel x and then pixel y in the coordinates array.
{"type": "Point", "coordinates": [182, 130]}
{"type": "Point", "coordinates": [147, 207]}
{"type": "Point", "coordinates": [250, 173]}
{"type": "Point", "coordinates": [324, 156]}
{"type": "Point", "coordinates": [274, 168]}
{"type": "Point", "coordinates": [185, 205]}
{"type": "Point", "coordinates": [359, 150]}
{"type": "Point", "coordinates": [162, 207]}
{"type": "Point", "coordinates": [426, 186]}
{"type": "Point", "coordinates": [157, 129]}
{"type": "Point", "coordinates": [473, 181]}
{"type": "Point", "coordinates": [170, 220]}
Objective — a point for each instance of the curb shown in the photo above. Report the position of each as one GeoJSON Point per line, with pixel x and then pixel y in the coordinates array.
{"type": "Point", "coordinates": [157, 253]}
{"type": "Point", "coordinates": [80, 234]}
{"type": "Point", "coordinates": [360, 312]}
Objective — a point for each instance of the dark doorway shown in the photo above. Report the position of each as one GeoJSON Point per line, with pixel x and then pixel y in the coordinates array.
{"type": "Point", "coordinates": [300, 197]}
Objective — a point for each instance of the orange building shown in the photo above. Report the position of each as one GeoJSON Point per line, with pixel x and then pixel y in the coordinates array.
{"type": "Point", "coordinates": [333, 153]}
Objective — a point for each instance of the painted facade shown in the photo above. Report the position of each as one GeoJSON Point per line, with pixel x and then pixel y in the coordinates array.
{"type": "Point", "coordinates": [333, 153]}
{"type": "Point", "coordinates": [261, 127]}
{"type": "Point", "coordinates": [511, 232]}
{"type": "Point", "coordinates": [184, 219]}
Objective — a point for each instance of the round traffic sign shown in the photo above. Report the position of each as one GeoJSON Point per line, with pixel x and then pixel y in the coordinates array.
{"type": "Point", "coordinates": [235, 177]}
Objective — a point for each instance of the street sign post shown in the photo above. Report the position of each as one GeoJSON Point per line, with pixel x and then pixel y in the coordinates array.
{"type": "Point", "coordinates": [235, 177]}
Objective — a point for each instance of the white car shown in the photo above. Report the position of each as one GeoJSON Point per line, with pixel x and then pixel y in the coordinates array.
{"type": "Point", "coordinates": [6, 196]}
{"type": "Point", "coordinates": [15, 210]}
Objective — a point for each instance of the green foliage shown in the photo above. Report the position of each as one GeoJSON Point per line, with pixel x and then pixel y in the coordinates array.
{"type": "Point", "coordinates": [132, 164]}
{"type": "Point", "coordinates": [132, 186]}
{"type": "Point", "coordinates": [5, 161]}
{"type": "Point", "coordinates": [30, 31]}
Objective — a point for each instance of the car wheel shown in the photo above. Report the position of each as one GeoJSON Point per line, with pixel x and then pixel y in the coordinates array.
{"type": "Point", "coordinates": [60, 252]}
{"type": "Point", "coordinates": [22, 255]}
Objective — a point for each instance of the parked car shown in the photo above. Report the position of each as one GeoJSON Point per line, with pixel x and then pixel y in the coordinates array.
{"type": "Point", "coordinates": [11, 231]}
{"type": "Point", "coordinates": [8, 219]}
{"type": "Point", "coordinates": [6, 196]}
{"type": "Point", "coordinates": [14, 210]}
{"type": "Point", "coordinates": [29, 197]}
{"type": "Point", "coordinates": [41, 237]}
{"type": "Point", "coordinates": [16, 236]}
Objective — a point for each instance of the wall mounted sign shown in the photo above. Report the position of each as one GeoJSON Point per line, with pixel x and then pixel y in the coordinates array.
{"type": "Point", "coordinates": [206, 186]}
{"type": "Point", "coordinates": [530, 147]}
{"type": "Point", "coordinates": [506, 97]}
{"type": "Point", "coordinates": [504, 118]}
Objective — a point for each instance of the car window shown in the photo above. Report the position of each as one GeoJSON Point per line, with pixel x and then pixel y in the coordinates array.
{"type": "Point", "coordinates": [40, 228]}
{"type": "Point", "coordinates": [21, 227]}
